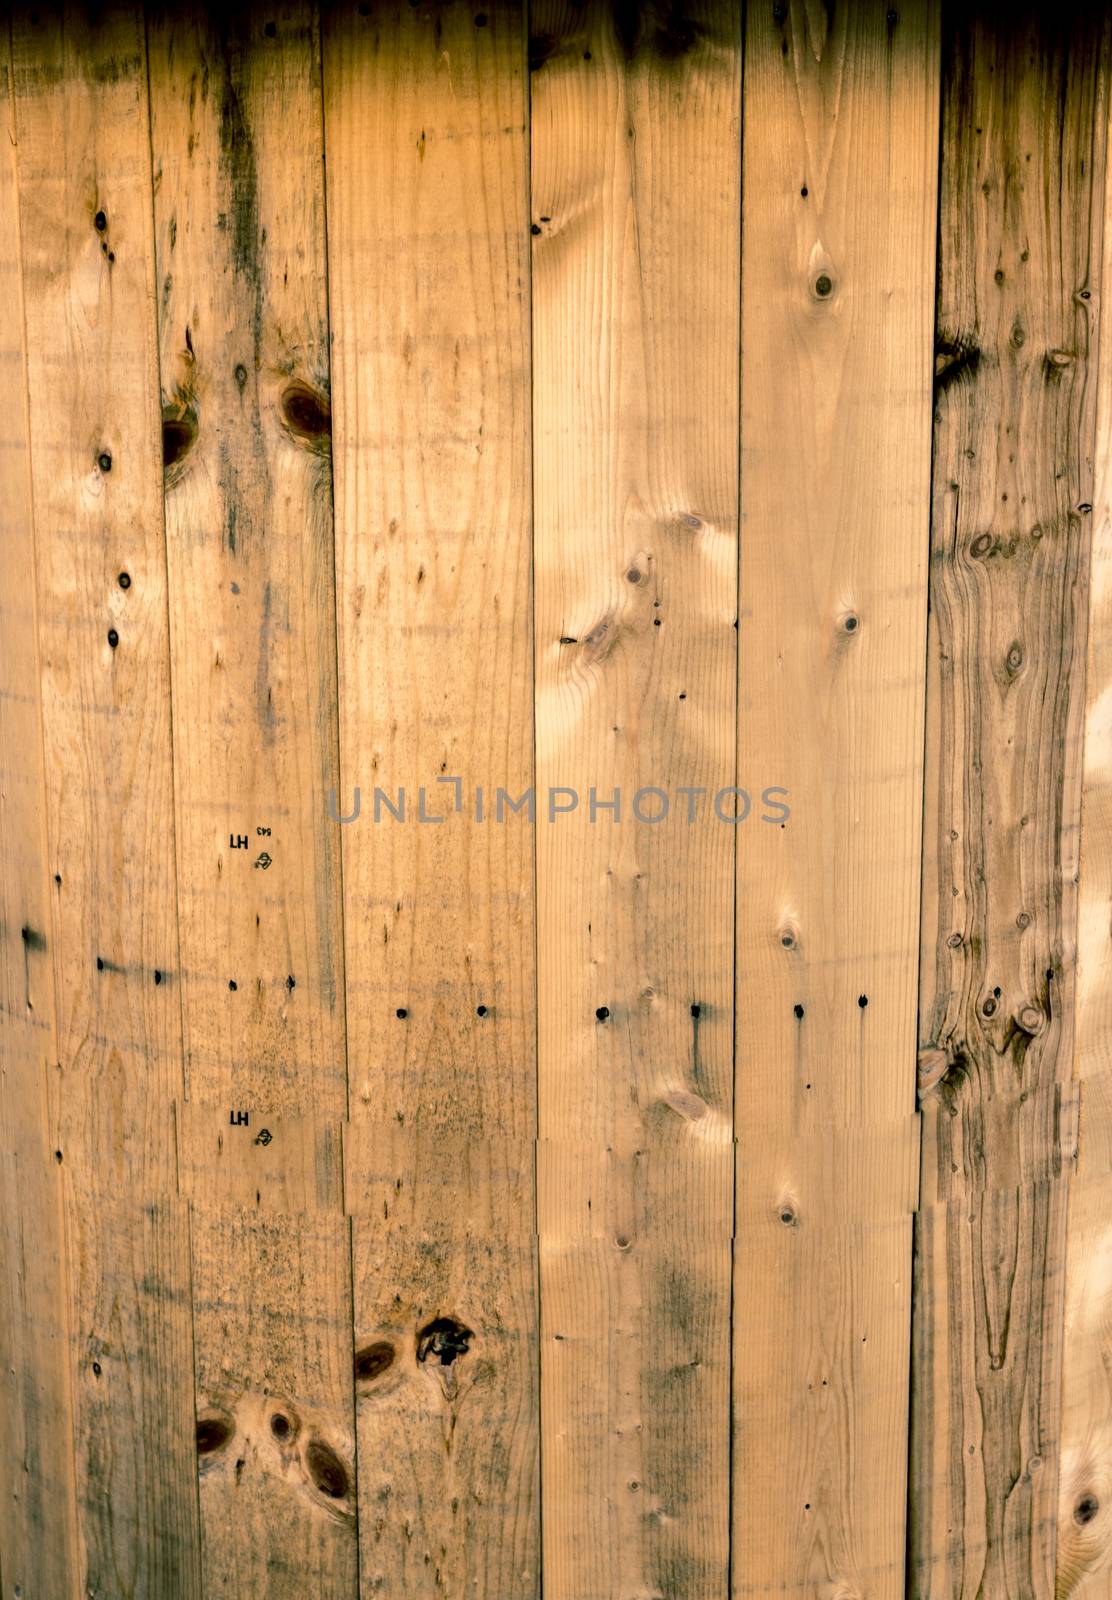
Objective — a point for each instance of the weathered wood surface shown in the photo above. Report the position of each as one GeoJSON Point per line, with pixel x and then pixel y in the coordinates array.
{"type": "Point", "coordinates": [1021, 200]}
{"type": "Point", "coordinates": [412, 395]}
{"type": "Point", "coordinates": [1083, 1568]}
{"type": "Point", "coordinates": [635, 226]}
{"type": "Point", "coordinates": [426, 154]}
{"type": "Point", "coordinates": [243, 326]}
{"type": "Point", "coordinates": [837, 271]}
{"type": "Point", "coordinates": [38, 1511]}
{"type": "Point", "coordinates": [83, 152]}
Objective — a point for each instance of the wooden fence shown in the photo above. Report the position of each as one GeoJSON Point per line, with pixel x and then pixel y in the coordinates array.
{"type": "Point", "coordinates": [615, 410]}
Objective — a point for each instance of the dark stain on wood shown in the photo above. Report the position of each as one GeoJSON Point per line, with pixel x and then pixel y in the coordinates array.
{"type": "Point", "coordinates": [444, 1339]}
{"type": "Point", "coordinates": [307, 415]}
{"type": "Point", "coordinates": [373, 1360]}
{"type": "Point", "coordinates": [328, 1473]}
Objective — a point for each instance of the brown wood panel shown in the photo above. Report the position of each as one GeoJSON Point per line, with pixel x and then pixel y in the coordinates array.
{"type": "Point", "coordinates": [425, 119]}
{"type": "Point", "coordinates": [839, 173]}
{"type": "Point", "coordinates": [85, 212]}
{"type": "Point", "coordinates": [636, 229]}
{"type": "Point", "coordinates": [38, 1522]}
{"type": "Point", "coordinates": [1022, 186]}
{"type": "Point", "coordinates": [243, 323]}
{"type": "Point", "coordinates": [1083, 1567]}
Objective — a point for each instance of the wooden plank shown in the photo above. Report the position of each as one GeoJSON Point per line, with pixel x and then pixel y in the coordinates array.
{"type": "Point", "coordinates": [1022, 190]}
{"type": "Point", "coordinates": [243, 319]}
{"type": "Point", "coordinates": [1083, 1568]}
{"type": "Point", "coordinates": [428, 278]}
{"type": "Point", "coordinates": [85, 200]}
{"type": "Point", "coordinates": [839, 173]}
{"type": "Point", "coordinates": [38, 1518]}
{"type": "Point", "coordinates": [635, 202]}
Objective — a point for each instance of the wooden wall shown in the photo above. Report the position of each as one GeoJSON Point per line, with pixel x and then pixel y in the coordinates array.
{"type": "Point", "coordinates": [582, 400]}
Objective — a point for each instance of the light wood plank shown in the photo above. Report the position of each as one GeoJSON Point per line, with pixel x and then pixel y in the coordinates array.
{"type": "Point", "coordinates": [1021, 195]}
{"type": "Point", "coordinates": [636, 226]}
{"type": "Point", "coordinates": [38, 1518]}
{"type": "Point", "coordinates": [1083, 1567]}
{"type": "Point", "coordinates": [85, 201]}
{"type": "Point", "coordinates": [839, 172]}
{"type": "Point", "coordinates": [428, 274]}
{"type": "Point", "coordinates": [239, 213]}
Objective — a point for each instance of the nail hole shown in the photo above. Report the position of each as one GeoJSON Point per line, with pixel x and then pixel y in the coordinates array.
{"type": "Point", "coordinates": [124, 580]}
{"type": "Point", "coordinates": [232, 985]}
{"type": "Point", "coordinates": [58, 1157]}
{"type": "Point", "coordinates": [401, 1013]}
{"type": "Point", "coordinates": [113, 638]}
{"type": "Point", "coordinates": [602, 1013]}
{"type": "Point", "coordinates": [104, 461]}
{"type": "Point", "coordinates": [862, 1000]}
{"type": "Point", "coordinates": [480, 1011]}
{"type": "Point", "coordinates": [799, 1011]}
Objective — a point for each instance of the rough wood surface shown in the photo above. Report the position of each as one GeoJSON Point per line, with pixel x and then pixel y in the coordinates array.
{"type": "Point", "coordinates": [1083, 1569]}
{"type": "Point", "coordinates": [635, 223]}
{"type": "Point", "coordinates": [425, 120]}
{"type": "Point", "coordinates": [502, 406]}
{"type": "Point", "coordinates": [88, 269]}
{"type": "Point", "coordinates": [38, 1521]}
{"type": "Point", "coordinates": [839, 176]}
{"type": "Point", "coordinates": [243, 322]}
{"type": "Point", "coordinates": [1022, 187]}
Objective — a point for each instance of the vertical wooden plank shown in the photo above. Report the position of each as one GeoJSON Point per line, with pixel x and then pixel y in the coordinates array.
{"type": "Point", "coordinates": [38, 1520]}
{"type": "Point", "coordinates": [839, 167]}
{"type": "Point", "coordinates": [1022, 190]}
{"type": "Point", "coordinates": [428, 273]}
{"type": "Point", "coordinates": [85, 199]}
{"type": "Point", "coordinates": [636, 224]}
{"type": "Point", "coordinates": [241, 265]}
{"type": "Point", "coordinates": [1083, 1568]}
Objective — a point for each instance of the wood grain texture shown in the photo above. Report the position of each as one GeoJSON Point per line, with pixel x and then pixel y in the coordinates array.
{"type": "Point", "coordinates": [38, 1509]}
{"type": "Point", "coordinates": [243, 322]}
{"type": "Point", "coordinates": [425, 121]}
{"type": "Point", "coordinates": [1022, 186]}
{"type": "Point", "coordinates": [83, 155]}
{"type": "Point", "coordinates": [636, 226]}
{"type": "Point", "coordinates": [1083, 1567]}
{"type": "Point", "coordinates": [839, 171]}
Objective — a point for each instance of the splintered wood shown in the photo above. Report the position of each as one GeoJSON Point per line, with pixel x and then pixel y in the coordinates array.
{"type": "Point", "coordinates": [555, 808]}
